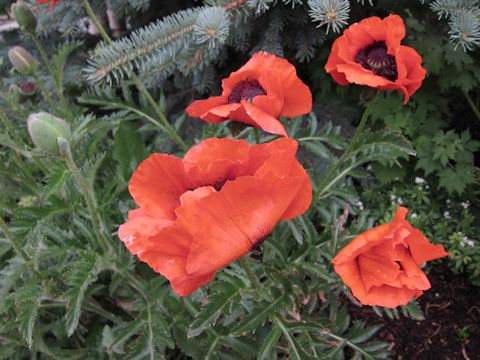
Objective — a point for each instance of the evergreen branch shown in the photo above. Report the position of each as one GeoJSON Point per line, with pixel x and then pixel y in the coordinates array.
{"type": "Point", "coordinates": [120, 58]}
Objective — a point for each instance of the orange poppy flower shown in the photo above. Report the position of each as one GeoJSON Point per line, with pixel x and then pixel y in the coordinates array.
{"type": "Point", "coordinates": [199, 213]}
{"type": "Point", "coordinates": [52, 3]}
{"type": "Point", "coordinates": [263, 89]}
{"type": "Point", "coordinates": [369, 53]}
{"type": "Point", "coordinates": [381, 265]}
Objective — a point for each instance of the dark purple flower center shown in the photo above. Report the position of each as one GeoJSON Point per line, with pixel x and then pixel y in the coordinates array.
{"type": "Point", "coordinates": [245, 90]}
{"type": "Point", "coordinates": [376, 58]}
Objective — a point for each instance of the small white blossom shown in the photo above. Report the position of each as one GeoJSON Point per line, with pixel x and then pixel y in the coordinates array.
{"type": "Point", "coordinates": [359, 204]}
{"type": "Point", "coordinates": [419, 180]}
{"type": "Point", "coordinates": [466, 204]}
{"type": "Point", "coordinates": [466, 241]}
{"type": "Point", "coordinates": [447, 215]}
{"type": "Point", "coordinates": [400, 201]}
{"type": "Point", "coordinates": [414, 216]}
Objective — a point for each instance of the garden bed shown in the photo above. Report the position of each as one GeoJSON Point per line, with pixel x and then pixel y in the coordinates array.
{"type": "Point", "coordinates": [451, 326]}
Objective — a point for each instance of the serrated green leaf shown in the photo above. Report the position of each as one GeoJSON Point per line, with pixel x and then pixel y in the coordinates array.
{"type": "Point", "coordinates": [259, 315]}
{"type": "Point", "coordinates": [27, 301]}
{"type": "Point", "coordinates": [81, 275]}
{"type": "Point", "coordinates": [268, 344]}
{"type": "Point", "coordinates": [128, 149]}
{"type": "Point", "coordinates": [216, 307]}
{"type": "Point", "coordinates": [366, 334]}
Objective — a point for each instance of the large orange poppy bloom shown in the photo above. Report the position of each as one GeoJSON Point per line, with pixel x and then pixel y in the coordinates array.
{"type": "Point", "coordinates": [263, 89]}
{"type": "Point", "coordinates": [369, 53]}
{"type": "Point", "coordinates": [381, 265]}
{"type": "Point", "coordinates": [199, 213]}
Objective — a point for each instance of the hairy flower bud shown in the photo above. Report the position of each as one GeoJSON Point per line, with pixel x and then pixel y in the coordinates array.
{"type": "Point", "coordinates": [24, 16]}
{"type": "Point", "coordinates": [45, 130]}
{"type": "Point", "coordinates": [22, 60]}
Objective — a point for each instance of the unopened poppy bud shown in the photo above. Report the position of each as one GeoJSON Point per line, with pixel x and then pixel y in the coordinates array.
{"type": "Point", "coordinates": [24, 16]}
{"type": "Point", "coordinates": [27, 89]}
{"type": "Point", "coordinates": [45, 131]}
{"type": "Point", "coordinates": [22, 60]}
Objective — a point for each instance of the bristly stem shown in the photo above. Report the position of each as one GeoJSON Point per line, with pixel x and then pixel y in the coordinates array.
{"type": "Point", "coordinates": [470, 101]}
{"type": "Point", "coordinates": [331, 178]}
{"type": "Point", "coordinates": [257, 135]}
{"type": "Point", "coordinates": [58, 87]}
{"type": "Point", "coordinates": [86, 188]}
{"type": "Point", "coordinates": [251, 275]}
{"type": "Point", "coordinates": [168, 127]}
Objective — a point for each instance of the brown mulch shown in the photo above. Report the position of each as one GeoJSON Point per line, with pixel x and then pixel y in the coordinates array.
{"type": "Point", "coordinates": [451, 307]}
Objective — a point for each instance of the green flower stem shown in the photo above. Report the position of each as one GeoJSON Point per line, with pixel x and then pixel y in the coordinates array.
{"type": "Point", "coordinates": [251, 275]}
{"type": "Point", "coordinates": [257, 135]}
{"type": "Point", "coordinates": [58, 87]}
{"type": "Point", "coordinates": [332, 177]}
{"type": "Point", "coordinates": [86, 188]}
{"type": "Point", "coordinates": [470, 101]}
{"type": "Point", "coordinates": [46, 94]}
{"type": "Point", "coordinates": [98, 25]}
{"type": "Point", "coordinates": [17, 247]}
{"type": "Point", "coordinates": [140, 86]}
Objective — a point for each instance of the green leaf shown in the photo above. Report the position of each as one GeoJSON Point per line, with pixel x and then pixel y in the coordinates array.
{"type": "Point", "coordinates": [60, 59]}
{"type": "Point", "coordinates": [128, 149]}
{"type": "Point", "coordinates": [27, 301]}
{"type": "Point", "coordinates": [455, 179]}
{"type": "Point", "coordinates": [155, 335]}
{"type": "Point", "coordinates": [366, 334]}
{"type": "Point", "coordinates": [217, 305]}
{"type": "Point", "coordinates": [259, 315]}
{"type": "Point", "coordinates": [413, 310]}
{"type": "Point", "coordinates": [82, 274]}
{"type": "Point", "coordinates": [268, 344]}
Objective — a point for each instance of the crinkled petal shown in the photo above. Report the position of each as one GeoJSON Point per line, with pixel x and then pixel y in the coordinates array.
{"type": "Point", "coordinates": [157, 184]}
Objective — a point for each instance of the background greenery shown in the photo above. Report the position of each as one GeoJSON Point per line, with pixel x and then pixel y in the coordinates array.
{"type": "Point", "coordinates": [63, 296]}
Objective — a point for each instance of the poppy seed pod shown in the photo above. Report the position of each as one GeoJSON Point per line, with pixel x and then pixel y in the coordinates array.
{"type": "Point", "coordinates": [45, 130]}
{"type": "Point", "coordinates": [22, 60]}
{"type": "Point", "coordinates": [24, 16]}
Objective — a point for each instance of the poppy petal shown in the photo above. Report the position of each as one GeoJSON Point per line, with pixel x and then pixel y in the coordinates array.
{"type": "Point", "coordinates": [264, 120]}
{"type": "Point", "coordinates": [199, 108]}
{"type": "Point", "coordinates": [236, 219]}
{"type": "Point", "coordinates": [422, 250]}
{"type": "Point", "coordinates": [157, 184]}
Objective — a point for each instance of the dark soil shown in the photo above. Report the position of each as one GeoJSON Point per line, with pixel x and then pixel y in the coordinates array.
{"type": "Point", "coordinates": [451, 329]}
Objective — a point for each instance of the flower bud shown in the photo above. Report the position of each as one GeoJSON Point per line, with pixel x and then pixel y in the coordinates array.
{"type": "Point", "coordinates": [22, 60]}
{"type": "Point", "coordinates": [45, 131]}
{"type": "Point", "coordinates": [27, 89]}
{"type": "Point", "coordinates": [24, 16]}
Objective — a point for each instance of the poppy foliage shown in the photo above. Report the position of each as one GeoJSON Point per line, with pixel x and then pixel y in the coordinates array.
{"type": "Point", "coordinates": [370, 53]}
{"type": "Point", "coordinates": [199, 213]}
{"type": "Point", "coordinates": [263, 89]}
{"type": "Point", "coordinates": [381, 265]}
{"type": "Point", "coordinates": [51, 2]}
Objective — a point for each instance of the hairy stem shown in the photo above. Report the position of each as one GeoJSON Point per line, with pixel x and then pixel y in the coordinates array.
{"type": "Point", "coordinates": [86, 188]}
{"type": "Point", "coordinates": [58, 86]}
{"type": "Point", "coordinates": [470, 101]}
{"type": "Point", "coordinates": [257, 135]}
